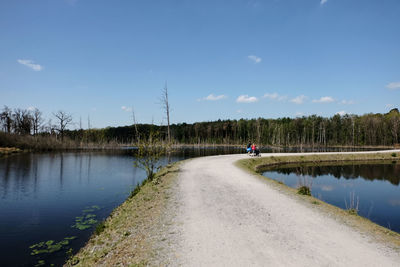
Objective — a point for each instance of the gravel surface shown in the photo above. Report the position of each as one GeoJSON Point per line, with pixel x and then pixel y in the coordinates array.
{"type": "Point", "coordinates": [221, 215]}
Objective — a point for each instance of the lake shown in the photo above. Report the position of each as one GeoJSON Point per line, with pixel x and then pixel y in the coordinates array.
{"type": "Point", "coordinates": [54, 196]}
{"type": "Point", "coordinates": [59, 197]}
{"type": "Point", "coordinates": [375, 186]}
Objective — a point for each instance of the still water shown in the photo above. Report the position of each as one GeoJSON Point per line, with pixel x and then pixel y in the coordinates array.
{"type": "Point", "coordinates": [375, 186]}
{"type": "Point", "coordinates": [53, 196]}
{"type": "Point", "coordinates": [61, 197]}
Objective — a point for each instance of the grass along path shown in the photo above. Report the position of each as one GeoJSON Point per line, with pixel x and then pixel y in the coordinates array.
{"type": "Point", "coordinates": [132, 231]}
{"type": "Point", "coordinates": [217, 211]}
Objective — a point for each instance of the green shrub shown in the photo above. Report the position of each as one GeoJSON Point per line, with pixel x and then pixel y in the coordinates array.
{"type": "Point", "coordinates": [100, 228]}
{"type": "Point", "coordinates": [394, 155]}
{"type": "Point", "coordinates": [304, 190]}
{"type": "Point", "coordinates": [352, 211]}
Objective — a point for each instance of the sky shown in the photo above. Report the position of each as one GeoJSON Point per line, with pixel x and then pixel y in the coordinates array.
{"type": "Point", "coordinates": [220, 59]}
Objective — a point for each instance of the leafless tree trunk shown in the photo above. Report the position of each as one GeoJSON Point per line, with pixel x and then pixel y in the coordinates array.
{"type": "Point", "coordinates": [6, 118]}
{"type": "Point", "coordinates": [166, 107]}
{"type": "Point", "coordinates": [37, 121]}
{"type": "Point", "coordinates": [135, 124]}
{"type": "Point", "coordinates": [395, 121]}
{"type": "Point", "coordinates": [258, 126]}
{"type": "Point", "coordinates": [63, 120]}
{"type": "Point", "coordinates": [22, 119]}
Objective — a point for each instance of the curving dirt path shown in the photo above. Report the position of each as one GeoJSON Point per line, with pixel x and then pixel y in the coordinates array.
{"type": "Point", "coordinates": [225, 216]}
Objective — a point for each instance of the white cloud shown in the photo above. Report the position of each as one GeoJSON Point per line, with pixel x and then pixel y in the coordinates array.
{"type": "Point", "coordinates": [30, 64]}
{"type": "Point", "coordinates": [393, 85]}
{"type": "Point", "coordinates": [324, 99]}
{"type": "Point", "coordinates": [347, 102]}
{"type": "Point", "coordinates": [239, 111]}
{"type": "Point", "coordinates": [213, 97]}
{"type": "Point", "coordinates": [271, 96]}
{"type": "Point", "coordinates": [341, 113]}
{"type": "Point", "coordinates": [31, 108]}
{"type": "Point", "coordinates": [299, 99]}
{"type": "Point", "coordinates": [323, 1]}
{"type": "Point", "coordinates": [127, 109]}
{"type": "Point", "coordinates": [299, 114]}
{"type": "Point", "coordinates": [246, 99]}
{"type": "Point", "coordinates": [275, 96]}
{"type": "Point", "coordinates": [254, 58]}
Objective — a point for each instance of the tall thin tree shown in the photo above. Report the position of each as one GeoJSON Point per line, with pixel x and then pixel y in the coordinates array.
{"type": "Point", "coordinates": [135, 124]}
{"type": "Point", "coordinates": [37, 121]}
{"type": "Point", "coordinates": [166, 107]}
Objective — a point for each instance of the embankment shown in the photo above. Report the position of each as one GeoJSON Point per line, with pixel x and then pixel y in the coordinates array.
{"type": "Point", "coordinates": [128, 235]}
{"type": "Point", "coordinates": [221, 212]}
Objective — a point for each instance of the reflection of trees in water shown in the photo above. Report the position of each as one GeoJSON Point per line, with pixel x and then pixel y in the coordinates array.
{"type": "Point", "coordinates": [6, 166]}
{"type": "Point", "coordinates": [61, 169]}
{"type": "Point", "coordinates": [16, 172]}
{"type": "Point", "coordinates": [385, 172]}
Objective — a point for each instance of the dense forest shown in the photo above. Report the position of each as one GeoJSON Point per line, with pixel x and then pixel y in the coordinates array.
{"type": "Point", "coordinates": [348, 130]}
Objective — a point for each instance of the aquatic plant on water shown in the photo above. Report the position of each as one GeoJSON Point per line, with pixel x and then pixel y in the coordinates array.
{"type": "Point", "coordinates": [50, 246]}
{"type": "Point", "coordinates": [87, 219]}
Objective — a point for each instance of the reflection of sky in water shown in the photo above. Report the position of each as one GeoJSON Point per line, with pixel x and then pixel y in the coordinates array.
{"type": "Point", "coordinates": [41, 194]}
{"type": "Point", "coordinates": [376, 186]}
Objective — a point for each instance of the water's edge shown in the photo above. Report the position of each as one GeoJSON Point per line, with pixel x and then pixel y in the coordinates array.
{"type": "Point", "coordinates": [132, 228]}
{"type": "Point", "coordinates": [110, 246]}
{"type": "Point", "coordinates": [358, 223]}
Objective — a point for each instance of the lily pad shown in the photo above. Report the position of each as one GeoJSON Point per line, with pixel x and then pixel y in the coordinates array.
{"type": "Point", "coordinates": [49, 246]}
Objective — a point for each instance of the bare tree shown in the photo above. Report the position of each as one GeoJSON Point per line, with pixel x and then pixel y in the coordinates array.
{"type": "Point", "coordinates": [37, 120]}
{"type": "Point", "coordinates": [88, 123]}
{"type": "Point", "coordinates": [6, 119]}
{"type": "Point", "coordinates": [63, 120]}
{"type": "Point", "coordinates": [135, 124]}
{"type": "Point", "coordinates": [49, 127]}
{"type": "Point", "coordinates": [166, 107]}
{"type": "Point", "coordinates": [22, 121]}
{"type": "Point", "coordinates": [149, 154]}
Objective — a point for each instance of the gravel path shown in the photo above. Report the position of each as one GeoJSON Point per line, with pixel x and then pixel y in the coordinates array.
{"type": "Point", "coordinates": [224, 216]}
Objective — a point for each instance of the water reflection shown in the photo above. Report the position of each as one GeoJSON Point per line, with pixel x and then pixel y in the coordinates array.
{"type": "Point", "coordinates": [375, 184]}
{"type": "Point", "coordinates": [385, 171]}
{"type": "Point", "coordinates": [41, 194]}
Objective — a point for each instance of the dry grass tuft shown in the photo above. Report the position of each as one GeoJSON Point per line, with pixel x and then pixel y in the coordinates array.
{"type": "Point", "coordinates": [9, 150]}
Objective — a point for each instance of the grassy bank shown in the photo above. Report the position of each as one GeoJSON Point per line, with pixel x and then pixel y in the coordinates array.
{"type": "Point", "coordinates": [4, 151]}
{"type": "Point", "coordinates": [256, 164]}
{"type": "Point", "coordinates": [361, 224]}
{"type": "Point", "coordinates": [126, 238]}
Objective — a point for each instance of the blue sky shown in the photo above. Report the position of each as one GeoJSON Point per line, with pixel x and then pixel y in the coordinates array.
{"type": "Point", "coordinates": [221, 59]}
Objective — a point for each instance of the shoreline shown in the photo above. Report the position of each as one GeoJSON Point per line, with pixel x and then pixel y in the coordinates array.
{"type": "Point", "coordinates": [358, 223]}
{"type": "Point", "coordinates": [6, 151]}
{"type": "Point", "coordinates": [149, 206]}
{"type": "Point", "coordinates": [129, 232]}
{"type": "Point", "coordinates": [96, 147]}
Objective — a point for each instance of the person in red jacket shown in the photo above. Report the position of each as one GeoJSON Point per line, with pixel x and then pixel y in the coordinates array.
{"type": "Point", "coordinates": [253, 148]}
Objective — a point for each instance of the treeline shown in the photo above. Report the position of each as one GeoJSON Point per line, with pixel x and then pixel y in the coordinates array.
{"type": "Point", "coordinates": [27, 129]}
{"type": "Point", "coordinates": [348, 130]}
